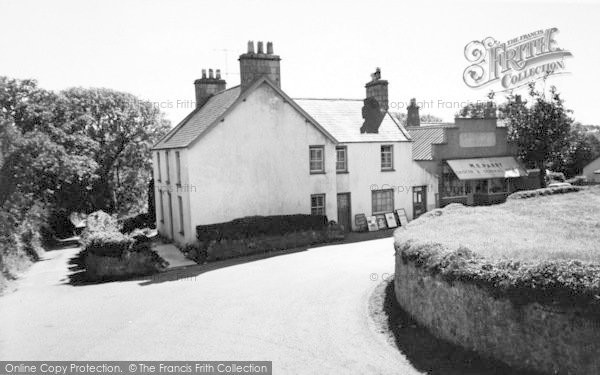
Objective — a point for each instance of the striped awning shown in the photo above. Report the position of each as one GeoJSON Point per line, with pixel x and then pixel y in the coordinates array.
{"type": "Point", "coordinates": [483, 168]}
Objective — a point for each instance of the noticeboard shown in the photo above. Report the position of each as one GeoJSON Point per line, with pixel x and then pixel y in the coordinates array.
{"type": "Point", "coordinates": [402, 217]}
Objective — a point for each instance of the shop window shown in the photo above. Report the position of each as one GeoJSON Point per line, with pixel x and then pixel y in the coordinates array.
{"type": "Point", "coordinates": [451, 185]}
{"type": "Point", "coordinates": [382, 201]}
{"type": "Point", "coordinates": [498, 185]}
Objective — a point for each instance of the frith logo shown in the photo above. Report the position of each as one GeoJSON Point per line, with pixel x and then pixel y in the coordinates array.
{"type": "Point", "coordinates": [516, 62]}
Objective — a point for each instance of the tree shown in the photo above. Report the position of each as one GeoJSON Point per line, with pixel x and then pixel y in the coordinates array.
{"type": "Point", "coordinates": [583, 147]}
{"type": "Point", "coordinates": [122, 130]}
{"type": "Point", "coordinates": [540, 130]}
{"type": "Point", "coordinates": [425, 118]}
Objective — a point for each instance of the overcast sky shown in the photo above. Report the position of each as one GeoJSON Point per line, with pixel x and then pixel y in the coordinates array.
{"type": "Point", "coordinates": [155, 49]}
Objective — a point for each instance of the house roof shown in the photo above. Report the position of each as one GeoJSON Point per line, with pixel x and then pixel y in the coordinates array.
{"type": "Point", "coordinates": [424, 138]}
{"type": "Point", "coordinates": [199, 120]}
{"type": "Point", "coordinates": [202, 119]}
{"type": "Point", "coordinates": [342, 118]}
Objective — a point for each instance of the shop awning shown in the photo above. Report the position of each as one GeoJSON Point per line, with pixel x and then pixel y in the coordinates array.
{"type": "Point", "coordinates": [483, 168]}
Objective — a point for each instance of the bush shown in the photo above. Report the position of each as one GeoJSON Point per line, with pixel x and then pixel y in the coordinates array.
{"type": "Point", "coordinates": [195, 252]}
{"type": "Point", "coordinates": [561, 282]}
{"type": "Point", "coordinates": [544, 191]}
{"type": "Point", "coordinates": [578, 180]}
{"type": "Point", "coordinates": [254, 226]}
{"type": "Point", "coordinates": [141, 221]}
{"type": "Point", "coordinates": [110, 244]}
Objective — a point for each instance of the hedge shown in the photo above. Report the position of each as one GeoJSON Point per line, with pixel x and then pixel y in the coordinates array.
{"type": "Point", "coordinates": [141, 221]}
{"type": "Point", "coordinates": [559, 283]}
{"type": "Point", "coordinates": [254, 226]}
{"type": "Point", "coordinates": [544, 191]}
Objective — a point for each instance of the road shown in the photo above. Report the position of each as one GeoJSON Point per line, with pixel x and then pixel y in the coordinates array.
{"type": "Point", "coordinates": [305, 311]}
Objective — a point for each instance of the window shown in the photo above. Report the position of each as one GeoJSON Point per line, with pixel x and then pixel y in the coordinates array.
{"type": "Point", "coordinates": [341, 164]}
{"type": "Point", "coordinates": [162, 210]}
{"type": "Point", "coordinates": [452, 186]}
{"type": "Point", "coordinates": [178, 167]}
{"type": "Point", "coordinates": [317, 204]}
{"type": "Point", "coordinates": [387, 158]}
{"type": "Point", "coordinates": [167, 161]}
{"type": "Point", "coordinates": [180, 201]}
{"type": "Point", "coordinates": [498, 185]}
{"type": "Point", "coordinates": [158, 164]}
{"type": "Point", "coordinates": [382, 201]}
{"type": "Point", "coordinates": [317, 159]}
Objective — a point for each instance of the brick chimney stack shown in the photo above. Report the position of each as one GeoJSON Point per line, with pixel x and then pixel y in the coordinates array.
{"type": "Point", "coordinates": [208, 86]}
{"type": "Point", "coordinates": [413, 118]}
{"type": "Point", "coordinates": [377, 88]}
{"type": "Point", "coordinates": [256, 65]}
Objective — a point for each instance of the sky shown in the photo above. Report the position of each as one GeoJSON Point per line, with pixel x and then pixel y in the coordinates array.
{"type": "Point", "coordinates": [156, 49]}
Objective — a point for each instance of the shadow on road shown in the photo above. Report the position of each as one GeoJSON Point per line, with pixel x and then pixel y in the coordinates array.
{"type": "Point", "coordinates": [432, 355]}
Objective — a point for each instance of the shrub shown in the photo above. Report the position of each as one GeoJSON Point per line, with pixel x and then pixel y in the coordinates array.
{"type": "Point", "coordinates": [141, 221]}
{"type": "Point", "coordinates": [544, 191]}
{"type": "Point", "coordinates": [557, 282]}
{"type": "Point", "coordinates": [195, 252]}
{"type": "Point", "coordinates": [578, 180]}
{"type": "Point", "coordinates": [110, 244]}
{"type": "Point", "coordinates": [253, 226]}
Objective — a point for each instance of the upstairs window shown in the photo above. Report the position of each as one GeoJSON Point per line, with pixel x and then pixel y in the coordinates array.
{"type": "Point", "coordinates": [317, 204]}
{"type": "Point", "coordinates": [387, 158]}
{"type": "Point", "coordinates": [317, 159]}
{"type": "Point", "coordinates": [341, 164]}
{"type": "Point", "coordinates": [178, 167]}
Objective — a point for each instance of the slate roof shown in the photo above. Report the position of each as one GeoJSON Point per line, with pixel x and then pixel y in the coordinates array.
{"type": "Point", "coordinates": [424, 137]}
{"type": "Point", "coordinates": [342, 118]}
{"type": "Point", "coordinates": [199, 120]}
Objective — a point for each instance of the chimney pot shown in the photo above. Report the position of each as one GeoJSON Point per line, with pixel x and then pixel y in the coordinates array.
{"type": "Point", "coordinates": [259, 47]}
{"type": "Point", "coordinates": [250, 46]}
{"type": "Point", "coordinates": [210, 74]}
{"type": "Point", "coordinates": [203, 73]}
{"type": "Point", "coordinates": [269, 48]}
{"type": "Point", "coordinates": [218, 74]}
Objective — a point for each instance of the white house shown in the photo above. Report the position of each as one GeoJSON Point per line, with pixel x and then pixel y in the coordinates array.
{"type": "Point", "coordinates": [253, 150]}
{"type": "Point", "coordinates": [592, 171]}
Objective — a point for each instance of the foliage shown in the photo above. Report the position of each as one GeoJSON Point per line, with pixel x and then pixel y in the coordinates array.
{"type": "Point", "coordinates": [478, 109]}
{"type": "Point", "coordinates": [110, 244]}
{"type": "Point", "coordinates": [141, 221]}
{"type": "Point", "coordinates": [544, 191]}
{"type": "Point", "coordinates": [540, 130]}
{"type": "Point", "coordinates": [254, 226]}
{"type": "Point", "coordinates": [583, 147]}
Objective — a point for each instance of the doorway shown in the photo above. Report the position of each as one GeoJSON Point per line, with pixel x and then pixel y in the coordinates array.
{"type": "Point", "coordinates": [343, 207]}
{"type": "Point", "coordinates": [419, 201]}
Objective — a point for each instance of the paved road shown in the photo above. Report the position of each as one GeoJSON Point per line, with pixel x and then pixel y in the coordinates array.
{"type": "Point", "coordinates": [305, 311]}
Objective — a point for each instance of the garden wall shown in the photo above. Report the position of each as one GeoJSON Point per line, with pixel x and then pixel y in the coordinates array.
{"type": "Point", "coordinates": [530, 336]}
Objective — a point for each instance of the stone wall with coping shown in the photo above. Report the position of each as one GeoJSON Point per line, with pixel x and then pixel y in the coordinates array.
{"type": "Point", "coordinates": [532, 336]}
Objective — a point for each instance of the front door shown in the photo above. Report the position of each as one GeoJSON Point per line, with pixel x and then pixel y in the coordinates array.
{"type": "Point", "coordinates": [343, 205]}
{"type": "Point", "coordinates": [419, 201]}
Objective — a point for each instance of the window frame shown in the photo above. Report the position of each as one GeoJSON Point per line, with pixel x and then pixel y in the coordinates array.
{"type": "Point", "coordinates": [373, 201]}
{"type": "Point", "coordinates": [391, 152]}
{"type": "Point", "coordinates": [337, 160]}
{"type": "Point", "coordinates": [180, 207]}
{"type": "Point", "coordinates": [162, 206]}
{"type": "Point", "coordinates": [310, 160]}
{"type": "Point", "coordinates": [322, 207]}
{"type": "Point", "coordinates": [168, 180]}
{"type": "Point", "coordinates": [178, 167]}
{"type": "Point", "coordinates": [159, 168]}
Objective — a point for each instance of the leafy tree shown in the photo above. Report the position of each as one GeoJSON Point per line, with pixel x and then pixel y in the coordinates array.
{"type": "Point", "coordinates": [583, 147]}
{"type": "Point", "coordinates": [401, 117]}
{"type": "Point", "coordinates": [541, 130]}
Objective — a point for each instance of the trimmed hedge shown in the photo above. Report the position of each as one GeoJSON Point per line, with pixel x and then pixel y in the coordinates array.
{"type": "Point", "coordinates": [110, 244]}
{"type": "Point", "coordinates": [544, 191]}
{"type": "Point", "coordinates": [559, 283]}
{"type": "Point", "coordinates": [255, 226]}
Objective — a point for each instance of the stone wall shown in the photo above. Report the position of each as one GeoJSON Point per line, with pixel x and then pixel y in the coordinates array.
{"type": "Point", "coordinates": [531, 336]}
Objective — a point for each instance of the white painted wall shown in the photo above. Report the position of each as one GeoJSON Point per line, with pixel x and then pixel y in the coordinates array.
{"type": "Point", "coordinates": [364, 167]}
{"type": "Point", "coordinates": [256, 162]}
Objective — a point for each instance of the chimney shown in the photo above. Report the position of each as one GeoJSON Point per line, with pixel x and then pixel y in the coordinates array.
{"type": "Point", "coordinates": [377, 88]}
{"type": "Point", "coordinates": [208, 86]}
{"type": "Point", "coordinates": [256, 65]}
{"type": "Point", "coordinates": [413, 118]}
